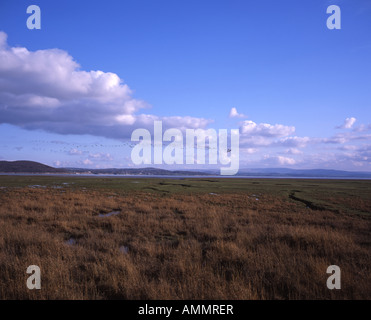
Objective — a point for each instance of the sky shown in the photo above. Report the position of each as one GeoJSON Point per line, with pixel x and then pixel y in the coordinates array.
{"type": "Point", "coordinates": [72, 92]}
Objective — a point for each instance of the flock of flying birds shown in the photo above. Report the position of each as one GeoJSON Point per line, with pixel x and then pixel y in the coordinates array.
{"type": "Point", "coordinates": [68, 145]}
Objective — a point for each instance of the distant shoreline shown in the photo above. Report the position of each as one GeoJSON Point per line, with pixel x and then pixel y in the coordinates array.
{"type": "Point", "coordinates": [72, 175]}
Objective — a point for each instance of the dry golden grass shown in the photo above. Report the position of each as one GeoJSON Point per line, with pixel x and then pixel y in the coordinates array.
{"type": "Point", "coordinates": [180, 246]}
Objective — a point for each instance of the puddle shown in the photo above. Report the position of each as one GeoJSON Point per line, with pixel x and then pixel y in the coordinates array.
{"type": "Point", "coordinates": [124, 250]}
{"type": "Point", "coordinates": [113, 213]}
{"type": "Point", "coordinates": [254, 196]}
{"type": "Point", "coordinates": [214, 194]}
{"type": "Point", "coordinates": [36, 186]}
{"type": "Point", "coordinates": [71, 241]}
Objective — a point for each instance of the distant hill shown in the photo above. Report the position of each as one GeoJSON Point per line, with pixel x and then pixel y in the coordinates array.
{"type": "Point", "coordinates": [27, 167]}
{"type": "Point", "coordinates": [137, 171]}
{"type": "Point", "coordinates": [36, 167]}
{"type": "Point", "coordinates": [286, 172]}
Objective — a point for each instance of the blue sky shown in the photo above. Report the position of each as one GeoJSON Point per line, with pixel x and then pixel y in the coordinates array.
{"type": "Point", "coordinates": [292, 81]}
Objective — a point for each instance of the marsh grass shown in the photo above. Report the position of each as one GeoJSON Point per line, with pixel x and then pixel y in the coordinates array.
{"type": "Point", "coordinates": [178, 246]}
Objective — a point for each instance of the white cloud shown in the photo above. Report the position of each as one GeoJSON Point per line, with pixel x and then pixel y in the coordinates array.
{"type": "Point", "coordinates": [234, 114]}
{"type": "Point", "coordinates": [345, 137]}
{"type": "Point", "coordinates": [285, 160]}
{"type": "Point", "coordinates": [362, 128]}
{"type": "Point", "coordinates": [294, 142]}
{"type": "Point", "coordinates": [249, 127]}
{"type": "Point", "coordinates": [60, 163]}
{"type": "Point", "coordinates": [92, 156]}
{"type": "Point", "coordinates": [251, 150]}
{"type": "Point", "coordinates": [87, 162]}
{"type": "Point", "coordinates": [128, 119]}
{"type": "Point", "coordinates": [293, 151]}
{"type": "Point", "coordinates": [3, 40]}
{"type": "Point", "coordinates": [57, 163]}
{"type": "Point", "coordinates": [278, 160]}
{"type": "Point", "coordinates": [101, 156]}
{"type": "Point", "coordinates": [254, 141]}
{"type": "Point", "coordinates": [46, 89]}
{"type": "Point", "coordinates": [75, 152]}
{"type": "Point", "coordinates": [348, 148]}
{"type": "Point", "coordinates": [348, 123]}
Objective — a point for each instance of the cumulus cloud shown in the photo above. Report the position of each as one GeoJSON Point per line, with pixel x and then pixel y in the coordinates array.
{"type": "Point", "coordinates": [348, 123]}
{"type": "Point", "coordinates": [234, 114]}
{"type": "Point", "coordinates": [253, 135]}
{"type": "Point", "coordinates": [285, 160]}
{"type": "Point", "coordinates": [46, 89]}
{"type": "Point", "coordinates": [250, 128]}
{"type": "Point", "coordinates": [279, 160]}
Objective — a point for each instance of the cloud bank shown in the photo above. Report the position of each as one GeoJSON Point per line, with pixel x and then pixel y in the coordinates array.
{"type": "Point", "coordinates": [46, 89]}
